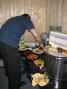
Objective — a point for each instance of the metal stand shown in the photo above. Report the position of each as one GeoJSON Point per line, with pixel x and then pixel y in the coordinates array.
{"type": "Point", "coordinates": [59, 73]}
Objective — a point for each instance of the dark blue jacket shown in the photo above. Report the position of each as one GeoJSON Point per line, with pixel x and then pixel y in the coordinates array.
{"type": "Point", "coordinates": [13, 29]}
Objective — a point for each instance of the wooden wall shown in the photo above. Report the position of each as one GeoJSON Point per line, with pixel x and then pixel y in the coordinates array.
{"type": "Point", "coordinates": [65, 16]}
{"type": "Point", "coordinates": [43, 12]}
{"type": "Point", "coordinates": [57, 13]}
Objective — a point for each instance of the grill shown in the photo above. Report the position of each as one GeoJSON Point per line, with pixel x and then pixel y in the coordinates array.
{"type": "Point", "coordinates": [57, 69]}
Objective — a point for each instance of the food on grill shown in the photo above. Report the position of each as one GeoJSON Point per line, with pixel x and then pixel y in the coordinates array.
{"type": "Point", "coordinates": [38, 50]}
{"type": "Point", "coordinates": [22, 45]}
{"type": "Point", "coordinates": [39, 63]}
{"type": "Point", "coordinates": [32, 57]}
{"type": "Point", "coordinates": [39, 79]}
{"type": "Point", "coordinates": [35, 79]}
{"type": "Point", "coordinates": [34, 83]}
{"type": "Point", "coordinates": [43, 82]}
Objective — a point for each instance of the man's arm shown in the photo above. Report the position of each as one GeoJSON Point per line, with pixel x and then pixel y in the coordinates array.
{"type": "Point", "coordinates": [35, 35]}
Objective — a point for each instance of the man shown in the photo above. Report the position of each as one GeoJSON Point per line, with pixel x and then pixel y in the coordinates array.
{"type": "Point", "coordinates": [10, 34]}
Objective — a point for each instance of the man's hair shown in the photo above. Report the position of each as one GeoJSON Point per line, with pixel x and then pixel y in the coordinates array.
{"type": "Point", "coordinates": [27, 16]}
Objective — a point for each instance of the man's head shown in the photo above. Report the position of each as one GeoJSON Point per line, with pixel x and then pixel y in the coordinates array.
{"type": "Point", "coordinates": [27, 16]}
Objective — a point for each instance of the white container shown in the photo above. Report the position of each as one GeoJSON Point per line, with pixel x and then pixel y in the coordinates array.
{"type": "Point", "coordinates": [58, 40]}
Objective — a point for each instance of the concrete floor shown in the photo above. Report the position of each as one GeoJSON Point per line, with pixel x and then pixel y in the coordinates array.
{"type": "Point", "coordinates": [3, 80]}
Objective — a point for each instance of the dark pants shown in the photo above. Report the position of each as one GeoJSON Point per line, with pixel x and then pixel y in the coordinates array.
{"type": "Point", "coordinates": [11, 59]}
